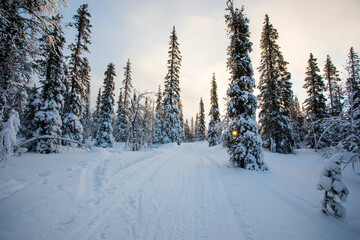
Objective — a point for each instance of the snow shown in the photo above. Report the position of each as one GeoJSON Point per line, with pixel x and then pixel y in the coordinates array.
{"type": "Point", "coordinates": [189, 191]}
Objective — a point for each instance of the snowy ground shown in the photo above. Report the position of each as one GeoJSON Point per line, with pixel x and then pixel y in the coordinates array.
{"type": "Point", "coordinates": [172, 192]}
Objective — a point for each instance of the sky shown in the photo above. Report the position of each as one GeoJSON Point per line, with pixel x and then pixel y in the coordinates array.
{"type": "Point", "coordinates": [139, 30]}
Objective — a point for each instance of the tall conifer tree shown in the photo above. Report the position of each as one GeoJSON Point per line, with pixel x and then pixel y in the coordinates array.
{"type": "Point", "coordinates": [202, 128]}
{"type": "Point", "coordinates": [171, 124]}
{"type": "Point", "coordinates": [86, 115]}
{"type": "Point", "coordinates": [48, 117]}
{"type": "Point", "coordinates": [353, 83]}
{"type": "Point", "coordinates": [315, 104]}
{"type": "Point", "coordinates": [72, 126]}
{"type": "Point", "coordinates": [213, 134]}
{"type": "Point", "coordinates": [331, 77]}
{"type": "Point", "coordinates": [244, 145]}
{"type": "Point", "coordinates": [96, 115]}
{"type": "Point", "coordinates": [159, 118]}
{"type": "Point", "coordinates": [104, 133]}
{"type": "Point", "coordinates": [275, 94]}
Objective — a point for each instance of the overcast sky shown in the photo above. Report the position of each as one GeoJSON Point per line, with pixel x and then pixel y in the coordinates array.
{"type": "Point", "coordinates": [139, 30]}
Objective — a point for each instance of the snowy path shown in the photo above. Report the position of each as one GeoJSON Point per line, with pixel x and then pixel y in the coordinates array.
{"type": "Point", "coordinates": [173, 192]}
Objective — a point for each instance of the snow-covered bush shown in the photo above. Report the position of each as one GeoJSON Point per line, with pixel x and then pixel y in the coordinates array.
{"type": "Point", "coordinates": [8, 135]}
{"type": "Point", "coordinates": [330, 182]}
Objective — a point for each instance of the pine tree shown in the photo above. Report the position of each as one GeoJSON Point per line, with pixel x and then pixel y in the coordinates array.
{"type": "Point", "coordinates": [331, 77]}
{"type": "Point", "coordinates": [171, 124]}
{"type": "Point", "coordinates": [21, 24]}
{"type": "Point", "coordinates": [245, 144]}
{"type": "Point", "coordinates": [315, 104]}
{"type": "Point", "coordinates": [275, 94]}
{"type": "Point", "coordinates": [201, 129]}
{"type": "Point", "coordinates": [72, 127]}
{"type": "Point", "coordinates": [96, 115]}
{"type": "Point", "coordinates": [213, 134]}
{"type": "Point", "coordinates": [159, 118]}
{"type": "Point", "coordinates": [47, 118]}
{"type": "Point", "coordinates": [104, 133]}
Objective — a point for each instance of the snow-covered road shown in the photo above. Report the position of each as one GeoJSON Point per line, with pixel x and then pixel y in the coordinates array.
{"type": "Point", "coordinates": [173, 192]}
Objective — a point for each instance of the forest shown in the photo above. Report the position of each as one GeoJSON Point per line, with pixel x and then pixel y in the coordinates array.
{"type": "Point", "coordinates": [55, 114]}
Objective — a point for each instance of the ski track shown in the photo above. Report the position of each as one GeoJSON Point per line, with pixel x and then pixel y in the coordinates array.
{"type": "Point", "coordinates": [172, 195]}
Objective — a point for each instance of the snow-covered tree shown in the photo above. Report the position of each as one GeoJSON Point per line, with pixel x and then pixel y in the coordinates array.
{"type": "Point", "coordinates": [105, 130]}
{"type": "Point", "coordinates": [315, 104]}
{"type": "Point", "coordinates": [202, 128]}
{"type": "Point", "coordinates": [332, 79]}
{"type": "Point", "coordinates": [21, 25]}
{"type": "Point", "coordinates": [196, 128]}
{"type": "Point", "coordinates": [244, 146]}
{"type": "Point", "coordinates": [96, 116]}
{"type": "Point", "coordinates": [86, 115]}
{"type": "Point", "coordinates": [275, 94]}
{"type": "Point", "coordinates": [140, 124]}
{"type": "Point", "coordinates": [123, 111]}
{"type": "Point", "coordinates": [72, 127]}
{"type": "Point", "coordinates": [330, 182]}
{"type": "Point", "coordinates": [171, 124]}
{"type": "Point", "coordinates": [8, 135]}
{"type": "Point", "coordinates": [47, 118]}
{"type": "Point", "coordinates": [297, 121]}
{"type": "Point", "coordinates": [353, 84]}
{"type": "Point", "coordinates": [213, 133]}
{"type": "Point", "coordinates": [28, 126]}
{"type": "Point", "coordinates": [159, 117]}
{"type": "Point", "coordinates": [187, 131]}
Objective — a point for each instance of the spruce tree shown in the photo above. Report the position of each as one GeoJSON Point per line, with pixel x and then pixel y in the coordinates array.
{"type": "Point", "coordinates": [196, 128]}
{"type": "Point", "coordinates": [315, 104]}
{"type": "Point", "coordinates": [192, 130]}
{"type": "Point", "coordinates": [275, 94]}
{"type": "Point", "coordinates": [119, 121]}
{"type": "Point", "coordinates": [297, 121]}
{"type": "Point", "coordinates": [72, 127]}
{"type": "Point", "coordinates": [124, 111]}
{"type": "Point", "coordinates": [244, 146]}
{"type": "Point", "coordinates": [21, 25]}
{"type": "Point", "coordinates": [187, 131]}
{"type": "Point", "coordinates": [86, 116]}
{"type": "Point", "coordinates": [202, 128]}
{"type": "Point", "coordinates": [29, 127]}
{"type": "Point", "coordinates": [104, 133]}
{"type": "Point", "coordinates": [159, 118]}
{"type": "Point", "coordinates": [353, 84]}
{"type": "Point", "coordinates": [48, 117]}
{"type": "Point", "coordinates": [331, 77]}
{"type": "Point", "coordinates": [213, 134]}
{"type": "Point", "coordinates": [171, 124]}
{"type": "Point", "coordinates": [96, 116]}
